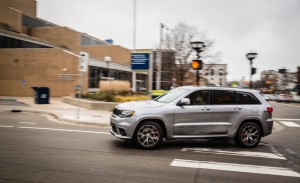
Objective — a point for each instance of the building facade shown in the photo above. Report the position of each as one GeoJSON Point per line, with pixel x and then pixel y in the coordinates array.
{"type": "Point", "coordinates": [215, 74]}
{"type": "Point", "coordinates": [281, 80]}
{"type": "Point", "coordinates": [38, 53]}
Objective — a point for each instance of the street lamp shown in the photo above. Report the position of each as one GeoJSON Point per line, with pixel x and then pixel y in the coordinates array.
{"type": "Point", "coordinates": [198, 46]}
{"type": "Point", "coordinates": [107, 59]}
{"type": "Point", "coordinates": [250, 57]}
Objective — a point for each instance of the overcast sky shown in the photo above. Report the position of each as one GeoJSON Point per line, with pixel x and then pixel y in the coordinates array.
{"type": "Point", "coordinates": [269, 27]}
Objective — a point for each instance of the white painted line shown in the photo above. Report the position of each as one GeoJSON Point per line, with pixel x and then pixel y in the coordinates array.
{"type": "Point", "coordinates": [284, 119]}
{"type": "Point", "coordinates": [289, 105]}
{"type": "Point", "coordinates": [65, 130]}
{"type": "Point", "coordinates": [237, 153]}
{"type": "Point", "coordinates": [31, 123]}
{"type": "Point", "coordinates": [235, 167]}
{"type": "Point", "coordinates": [289, 123]}
{"type": "Point", "coordinates": [3, 126]}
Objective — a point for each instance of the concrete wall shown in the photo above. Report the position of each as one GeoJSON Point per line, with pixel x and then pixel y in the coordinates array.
{"type": "Point", "coordinates": [94, 105]}
{"type": "Point", "coordinates": [21, 69]}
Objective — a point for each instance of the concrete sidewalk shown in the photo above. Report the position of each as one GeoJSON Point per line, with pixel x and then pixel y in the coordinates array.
{"type": "Point", "coordinates": [58, 109]}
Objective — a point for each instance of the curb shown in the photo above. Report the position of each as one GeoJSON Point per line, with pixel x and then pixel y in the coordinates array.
{"type": "Point", "coordinates": [60, 118]}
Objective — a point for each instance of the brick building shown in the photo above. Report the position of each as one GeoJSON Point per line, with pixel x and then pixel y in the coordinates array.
{"type": "Point", "coordinates": [35, 52]}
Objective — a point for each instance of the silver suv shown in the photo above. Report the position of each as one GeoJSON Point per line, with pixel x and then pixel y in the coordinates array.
{"type": "Point", "coordinates": [195, 112]}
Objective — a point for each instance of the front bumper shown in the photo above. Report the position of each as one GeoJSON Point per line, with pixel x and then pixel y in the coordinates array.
{"type": "Point", "coordinates": [119, 136]}
{"type": "Point", "coordinates": [122, 128]}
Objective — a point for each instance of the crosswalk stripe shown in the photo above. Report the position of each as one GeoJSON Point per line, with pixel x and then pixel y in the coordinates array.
{"type": "Point", "coordinates": [285, 119]}
{"type": "Point", "coordinates": [4, 126]}
{"type": "Point", "coordinates": [289, 123]}
{"type": "Point", "coordinates": [235, 167]}
{"type": "Point", "coordinates": [65, 130]}
{"type": "Point", "coordinates": [237, 153]}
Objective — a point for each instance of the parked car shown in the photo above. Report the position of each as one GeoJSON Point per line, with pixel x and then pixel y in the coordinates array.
{"type": "Point", "coordinates": [194, 112]}
{"type": "Point", "coordinates": [267, 97]}
{"type": "Point", "coordinates": [274, 97]}
{"type": "Point", "coordinates": [296, 94]}
{"type": "Point", "coordinates": [284, 98]}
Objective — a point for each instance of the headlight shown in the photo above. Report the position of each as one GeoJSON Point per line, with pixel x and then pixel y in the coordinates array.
{"type": "Point", "coordinates": [126, 114]}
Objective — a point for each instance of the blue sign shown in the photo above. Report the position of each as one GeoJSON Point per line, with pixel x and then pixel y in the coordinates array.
{"type": "Point", "coordinates": [140, 61]}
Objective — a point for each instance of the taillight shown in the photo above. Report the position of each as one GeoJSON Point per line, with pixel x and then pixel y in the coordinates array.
{"type": "Point", "coordinates": [270, 109]}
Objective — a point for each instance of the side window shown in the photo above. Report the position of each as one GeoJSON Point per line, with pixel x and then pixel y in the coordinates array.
{"type": "Point", "coordinates": [224, 97]}
{"type": "Point", "coordinates": [200, 97]}
{"type": "Point", "coordinates": [247, 98]}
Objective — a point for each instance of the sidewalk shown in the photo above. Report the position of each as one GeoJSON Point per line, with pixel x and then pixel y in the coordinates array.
{"type": "Point", "coordinates": [60, 110]}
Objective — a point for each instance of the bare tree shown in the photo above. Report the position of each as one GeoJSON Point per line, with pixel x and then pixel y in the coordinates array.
{"type": "Point", "coordinates": [178, 40]}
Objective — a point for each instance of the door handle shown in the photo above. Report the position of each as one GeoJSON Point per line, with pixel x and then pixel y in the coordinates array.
{"type": "Point", "coordinates": [238, 108]}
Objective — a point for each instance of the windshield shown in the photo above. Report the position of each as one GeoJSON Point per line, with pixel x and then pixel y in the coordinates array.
{"type": "Point", "coordinates": [172, 95]}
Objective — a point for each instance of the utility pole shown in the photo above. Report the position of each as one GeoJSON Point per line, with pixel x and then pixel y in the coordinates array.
{"type": "Point", "coordinates": [159, 58]}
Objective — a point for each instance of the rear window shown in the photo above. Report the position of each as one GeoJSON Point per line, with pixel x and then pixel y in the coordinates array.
{"type": "Point", "coordinates": [247, 98]}
{"type": "Point", "coordinates": [224, 97]}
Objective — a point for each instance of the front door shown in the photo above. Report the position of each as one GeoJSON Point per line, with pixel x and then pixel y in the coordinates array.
{"type": "Point", "coordinates": [195, 119]}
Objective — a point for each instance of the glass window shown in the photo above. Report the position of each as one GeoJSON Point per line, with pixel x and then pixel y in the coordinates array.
{"type": "Point", "coordinates": [200, 97]}
{"type": "Point", "coordinates": [172, 95]}
{"type": "Point", "coordinates": [89, 41]}
{"type": "Point", "coordinates": [212, 72]}
{"type": "Point", "coordinates": [33, 22]}
{"type": "Point", "coordinates": [224, 97]}
{"type": "Point", "coordinates": [247, 98]}
{"type": "Point", "coordinates": [220, 72]}
{"type": "Point", "coordinates": [8, 42]}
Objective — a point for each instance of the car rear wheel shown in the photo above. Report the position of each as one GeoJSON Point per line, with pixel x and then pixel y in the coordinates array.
{"type": "Point", "coordinates": [248, 135]}
{"type": "Point", "coordinates": [148, 135]}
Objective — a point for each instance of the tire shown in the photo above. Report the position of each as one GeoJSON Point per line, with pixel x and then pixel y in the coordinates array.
{"type": "Point", "coordinates": [148, 135]}
{"type": "Point", "coordinates": [248, 135]}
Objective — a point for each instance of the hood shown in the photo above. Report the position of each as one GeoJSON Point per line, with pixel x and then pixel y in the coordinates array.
{"type": "Point", "coordinates": [139, 105]}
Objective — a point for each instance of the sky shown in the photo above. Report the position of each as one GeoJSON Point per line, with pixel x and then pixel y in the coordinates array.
{"type": "Point", "coordinates": [269, 27]}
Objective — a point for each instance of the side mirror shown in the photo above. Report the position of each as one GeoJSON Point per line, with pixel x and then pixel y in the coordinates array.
{"type": "Point", "coordinates": [184, 101]}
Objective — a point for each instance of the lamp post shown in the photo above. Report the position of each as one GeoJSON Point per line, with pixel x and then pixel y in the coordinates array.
{"type": "Point", "coordinates": [250, 57]}
{"type": "Point", "coordinates": [107, 59]}
{"type": "Point", "coordinates": [198, 46]}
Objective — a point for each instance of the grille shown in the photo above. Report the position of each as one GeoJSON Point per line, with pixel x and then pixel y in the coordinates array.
{"type": "Point", "coordinates": [113, 127]}
{"type": "Point", "coordinates": [117, 112]}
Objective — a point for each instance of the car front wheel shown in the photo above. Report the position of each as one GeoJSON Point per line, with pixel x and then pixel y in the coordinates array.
{"type": "Point", "coordinates": [248, 135]}
{"type": "Point", "coordinates": [148, 135]}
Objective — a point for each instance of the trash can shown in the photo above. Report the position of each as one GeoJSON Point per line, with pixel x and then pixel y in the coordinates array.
{"type": "Point", "coordinates": [41, 95]}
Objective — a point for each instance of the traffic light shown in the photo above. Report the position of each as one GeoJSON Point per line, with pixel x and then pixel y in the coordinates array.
{"type": "Point", "coordinates": [197, 64]}
{"type": "Point", "coordinates": [281, 71]}
{"type": "Point", "coordinates": [253, 70]}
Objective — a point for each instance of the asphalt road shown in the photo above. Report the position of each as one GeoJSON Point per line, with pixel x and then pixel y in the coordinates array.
{"type": "Point", "coordinates": [35, 149]}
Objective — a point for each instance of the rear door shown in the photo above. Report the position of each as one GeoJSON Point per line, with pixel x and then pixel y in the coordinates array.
{"type": "Point", "coordinates": [226, 111]}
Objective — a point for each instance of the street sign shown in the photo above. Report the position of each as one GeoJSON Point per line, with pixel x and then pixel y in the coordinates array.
{"type": "Point", "coordinates": [83, 62]}
{"type": "Point", "coordinates": [140, 61]}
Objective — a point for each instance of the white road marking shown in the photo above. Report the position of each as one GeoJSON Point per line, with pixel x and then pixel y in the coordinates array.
{"type": "Point", "coordinates": [3, 126]}
{"type": "Point", "coordinates": [235, 167]}
{"type": "Point", "coordinates": [289, 105]}
{"type": "Point", "coordinates": [65, 130]}
{"type": "Point", "coordinates": [284, 119]}
{"type": "Point", "coordinates": [289, 123]}
{"type": "Point", "coordinates": [237, 153]}
{"type": "Point", "coordinates": [31, 123]}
